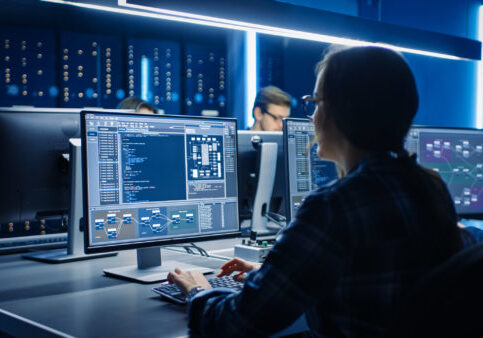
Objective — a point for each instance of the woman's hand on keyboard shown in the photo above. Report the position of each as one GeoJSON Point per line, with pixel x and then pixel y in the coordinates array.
{"type": "Point", "coordinates": [240, 265]}
{"type": "Point", "coordinates": [188, 280]}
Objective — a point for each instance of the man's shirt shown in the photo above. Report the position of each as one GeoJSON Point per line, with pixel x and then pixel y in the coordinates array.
{"type": "Point", "coordinates": [355, 248]}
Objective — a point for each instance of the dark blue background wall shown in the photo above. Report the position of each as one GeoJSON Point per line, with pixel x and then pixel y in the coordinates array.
{"type": "Point", "coordinates": [447, 88]}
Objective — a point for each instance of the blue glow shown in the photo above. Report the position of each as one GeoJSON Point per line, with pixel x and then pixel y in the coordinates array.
{"type": "Point", "coordinates": [145, 65]}
{"type": "Point", "coordinates": [89, 93]}
{"type": "Point", "coordinates": [53, 91]}
{"type": "Point", "coordinates": [251, 76]}
{"type": "Point", "coordinates": [12, 90]}
{"type": "Point", "coordinates": [479, 86]}
{"type": "Point", "coordinates": [198, 98]}
{"type": "Point", "coordinates": [120, 94]}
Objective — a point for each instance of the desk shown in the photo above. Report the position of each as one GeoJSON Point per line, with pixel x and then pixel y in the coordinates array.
{"type": "Point", "coordinates": [76, 299]}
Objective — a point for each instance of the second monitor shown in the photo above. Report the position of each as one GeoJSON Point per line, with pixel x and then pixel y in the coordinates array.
{"type": "Point", "coordinates": [457, 155]}
{"type": "Point", "coordinates": [304, 169]}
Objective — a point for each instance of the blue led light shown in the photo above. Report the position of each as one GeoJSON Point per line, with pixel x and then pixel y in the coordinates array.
{"type": "Point", "coordinates": [12, 90]}
{"type": "Point", "coordinates": [89, 93]}
{"type": "Point", "coordinates": [120, 94]}
{"type": "Point", "coordinates": [198, 98]}
{"type": "Point", "coordinates": [53, 91]}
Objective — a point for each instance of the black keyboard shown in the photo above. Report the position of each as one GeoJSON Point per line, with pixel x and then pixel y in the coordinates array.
{"type": "Point", "coordinates": [172, 292]}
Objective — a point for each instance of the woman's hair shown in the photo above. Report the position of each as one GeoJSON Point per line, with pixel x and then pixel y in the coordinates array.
{"type": "Point", "coordinates": [371, 94]}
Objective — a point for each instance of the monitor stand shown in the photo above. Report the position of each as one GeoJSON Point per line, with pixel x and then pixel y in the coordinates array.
{"type": "Point", "coordinates": [149, 268]}
{"type": "Point", "coordinates": [75, 236]}
{"type": "Point", "coordinates": [266, 177]}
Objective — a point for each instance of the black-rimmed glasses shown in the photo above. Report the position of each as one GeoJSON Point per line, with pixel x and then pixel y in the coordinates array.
{"type": "Point", "coordinates": [275, 117]}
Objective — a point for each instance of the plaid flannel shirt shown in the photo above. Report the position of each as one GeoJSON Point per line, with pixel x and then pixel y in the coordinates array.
{"type": "Point", "coordinates": [352, 252]}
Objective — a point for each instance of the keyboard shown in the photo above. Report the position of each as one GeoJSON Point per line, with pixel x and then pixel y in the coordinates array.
{"type": "Point", "coordinates": [172, 292]}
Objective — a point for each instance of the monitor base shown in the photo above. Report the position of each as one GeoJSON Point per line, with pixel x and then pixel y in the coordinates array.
{"type": "Point", "coordinates": [61, 256]}
{"type": "Point", "coordinates": [152, 274]}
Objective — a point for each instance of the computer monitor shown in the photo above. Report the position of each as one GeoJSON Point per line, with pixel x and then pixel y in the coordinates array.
{"type": "Point", "coordinates": [34, 193]}
{"type": "Point", "coordinates": [457, 155]}
{"type": "Point", "coordinates": [248, 170]}
{"type": "Point", "coordinates": [153, 180]}
{"type": "Point", "coordinates": [304, 169]}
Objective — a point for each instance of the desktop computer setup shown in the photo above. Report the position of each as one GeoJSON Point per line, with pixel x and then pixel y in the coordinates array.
{"type": "Point", "coordinates": [153, 180]}
{"type": "Point", "coordinates": [133, 166]}
{"type": "Point", "coordinates": [50, 137]}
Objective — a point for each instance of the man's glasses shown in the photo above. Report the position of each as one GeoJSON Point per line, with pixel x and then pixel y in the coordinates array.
{"type": "Point", "coordinates": [275, 117]}
{"type": "Point", "coordinates": [309, 103]}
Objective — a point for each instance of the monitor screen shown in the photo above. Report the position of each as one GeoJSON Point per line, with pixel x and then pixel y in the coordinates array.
{"type": "Point", "coordinates": [457, 155]}
{"type": "Point", "coordinates": [34, 148]}
{"type": "Point", "coordinates": [305, 170]}
{"type": "Point", "coordinates": [158, 179]}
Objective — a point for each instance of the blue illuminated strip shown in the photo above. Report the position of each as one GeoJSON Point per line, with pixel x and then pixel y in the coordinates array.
{"type": "Point", "coordinates": [251, 76]}
{"type": "Point", "coordinates": [145, 81]}
{"type": "Point", "coordinates": [479, 86]}
{"type": "Point", "coordinates": [245, 26]}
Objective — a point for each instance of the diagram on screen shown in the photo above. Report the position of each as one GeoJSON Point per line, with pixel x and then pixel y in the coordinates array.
{"type": "Point", "coordinates": [115, 224]}
{"type": "Point", "coordinates": [153, 222]}
{"type": "Point", "coordinates": [183, 221]}
{"type": "Point", "coordinates": [459, 161]}
{"type": "Point", "coordinates": [205, 157]}
{"type": "Point", "coordinates": [145, 222]}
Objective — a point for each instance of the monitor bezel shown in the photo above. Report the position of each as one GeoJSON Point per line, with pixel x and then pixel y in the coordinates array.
{"type": "Point", "coordinates": [88, 248]}
{"type": "Point", "coordinates": [460, 215]}
{"type": "Point", "coordinates": [288, 206]}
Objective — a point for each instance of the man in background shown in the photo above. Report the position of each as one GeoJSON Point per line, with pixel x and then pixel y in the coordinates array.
{"type": "Point", "coordinates": [271, 105]}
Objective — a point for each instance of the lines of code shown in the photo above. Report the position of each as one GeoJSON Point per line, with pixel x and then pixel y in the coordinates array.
{"type": "Point", "coordinates": [152, 178]}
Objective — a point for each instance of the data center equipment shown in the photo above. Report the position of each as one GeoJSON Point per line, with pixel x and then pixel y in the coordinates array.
{"type": "Point", "coordinates": [253, 250]}
{"type": "Point", "coordinates": [249, 159]}
{"type": "Point", "coordinates": [34, 147]}
{"type": "Point", "coordinates": [304, 169]}
{"type": "Point", "coordinates": [28, 61]}
{"type": "Point", "coordinates": [91, 70]}
{"type": "Point", "coordinates": [153, 180]}
{"type": "Point", "coordinates": [456, 154]}
{"type": "Point", "coordinates": [154, 73]}
{"type": "Point", "coordinates": [205, 80]}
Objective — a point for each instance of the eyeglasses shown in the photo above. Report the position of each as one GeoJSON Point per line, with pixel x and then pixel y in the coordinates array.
{"type": "Point", "coordinates": [309, 103]}
{"type": "Point", "coordinates": [275, 117]}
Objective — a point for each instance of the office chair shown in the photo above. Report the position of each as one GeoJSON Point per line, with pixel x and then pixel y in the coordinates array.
{"type": "Point", "coordinates": [447, 302]}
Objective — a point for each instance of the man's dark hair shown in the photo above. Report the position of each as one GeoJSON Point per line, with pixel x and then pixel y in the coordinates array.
{"type": "Point", "coordinates": [371, 94]}
{"type": "Point", "coordinates": [135, 103]}
{"type": "Point", "coordinates": [271, 95]}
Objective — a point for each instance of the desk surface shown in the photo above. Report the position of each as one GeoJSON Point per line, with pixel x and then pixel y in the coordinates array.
{"type": "Point", "coordinates": [76, 299]}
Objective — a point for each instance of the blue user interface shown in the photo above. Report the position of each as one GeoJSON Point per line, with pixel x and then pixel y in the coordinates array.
{"type": "Point", "coordinates": [457, 155]}
{"type": "Point", "coordinates": [159, 177]}
{"type": "Point", "coordinates": [306, 171]}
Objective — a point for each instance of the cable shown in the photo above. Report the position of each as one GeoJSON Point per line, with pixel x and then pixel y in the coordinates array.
{"type": "Point", "coordinates": [281, 224]}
